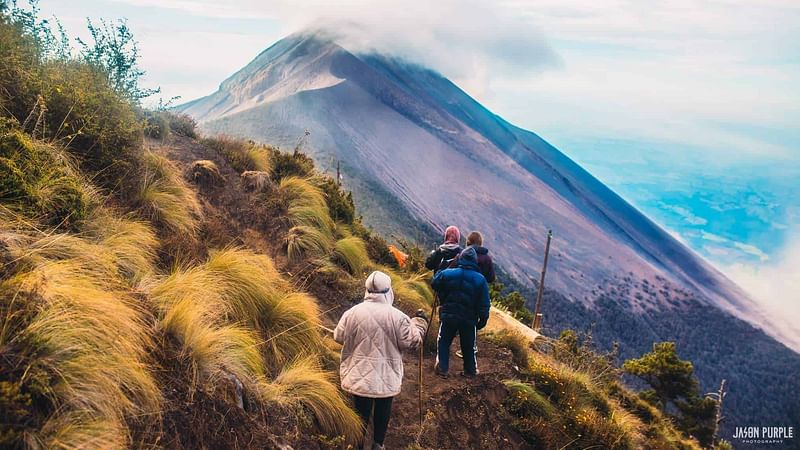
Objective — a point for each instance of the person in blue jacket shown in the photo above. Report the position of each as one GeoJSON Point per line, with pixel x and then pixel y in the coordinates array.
{"type": "Point", "coordinates": [464, 299]}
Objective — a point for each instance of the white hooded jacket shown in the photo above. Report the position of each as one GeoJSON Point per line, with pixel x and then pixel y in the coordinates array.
{"type": "Point", "coordinates": [373, 334]}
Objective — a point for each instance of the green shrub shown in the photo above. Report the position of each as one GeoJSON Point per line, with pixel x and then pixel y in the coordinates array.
{"type": "Point", "coordinates": [182, 125]}
{"type": "Point", "coordinates": [340, 203]}
{"type": "Point", "coordinates": [513, 341]}
{"type": "Point", "coordinates": [577, 351]}
{"type": "Point", "coordinates": [67, 100]}
{"type": "Point", "coordinates": [156, 125]}
{"type": "Point", "coordinates": [513, 302]}
{"type": "Point", "coordinates": [293, 164]}
{"type": "Point", "coordinates": [242, 155]}
{"type": "Point", "coordinates": [37, 181]}
{"type": "Point", "coordinates": [102, 128]}
{"type": "Point", "coordinates": [13, 187]}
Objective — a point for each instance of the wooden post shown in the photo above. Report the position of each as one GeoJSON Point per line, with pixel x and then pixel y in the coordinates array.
{"type": "Point", "coordinates": [338, 174]}
{"type": "Point", "coordinates": [537, 313]}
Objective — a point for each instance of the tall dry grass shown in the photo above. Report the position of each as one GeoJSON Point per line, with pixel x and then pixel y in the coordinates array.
{"type": "Point", "coordinates": [351, 253]}
{"type": "Point", "coordinates": [165, 198]}
{"type": "Point", "coordinates": [302, 383]}
{"type": "Point", "coordinates": [241, 154]}
{"type": "Point", "coordinates": [235, 314]}
{"type": "Point", "coordinates": [84, 326]}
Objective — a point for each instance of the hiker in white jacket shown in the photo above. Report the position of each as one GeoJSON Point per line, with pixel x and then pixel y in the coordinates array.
{"type": "Point", "coordinates": [373, 334]}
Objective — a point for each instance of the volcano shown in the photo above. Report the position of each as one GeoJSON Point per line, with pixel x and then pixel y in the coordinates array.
{"type": "Point", "coordinates": [419, 154]}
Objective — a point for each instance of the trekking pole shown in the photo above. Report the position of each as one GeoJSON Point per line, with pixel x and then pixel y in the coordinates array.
{"type": "Point", "coordinates": [421, 347]}
{"type": "Point", "coordinates": [537, 315]}
{"type": "Point", "coordinates": [422, 352]}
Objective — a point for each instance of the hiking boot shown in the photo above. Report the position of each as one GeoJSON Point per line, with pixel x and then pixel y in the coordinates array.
{"type": "Point", "coordinates": [470, 375]}
{"type": "Point", "coordinates": [376, 446]}
{"type": "Point", "coordinates": [439, 373]}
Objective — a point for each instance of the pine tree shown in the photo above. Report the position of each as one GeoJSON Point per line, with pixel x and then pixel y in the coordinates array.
{"type": "Point", "coordinates": [673, 383]}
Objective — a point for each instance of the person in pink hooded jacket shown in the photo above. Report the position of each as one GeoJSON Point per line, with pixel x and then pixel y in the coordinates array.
{"type": "Point", "coordinates": [373, 334]}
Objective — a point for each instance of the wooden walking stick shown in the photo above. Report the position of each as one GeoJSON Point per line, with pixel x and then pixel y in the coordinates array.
{"type": "Point", "coordinates": [537, 313]}
{"type": "Point", "coordinates": [421, 353]}
{"type": "Point", "coordinates": [420, 384]}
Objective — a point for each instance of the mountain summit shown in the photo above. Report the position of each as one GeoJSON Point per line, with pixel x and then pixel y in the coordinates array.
{"type": "Point", "coordinates": [420, 154]}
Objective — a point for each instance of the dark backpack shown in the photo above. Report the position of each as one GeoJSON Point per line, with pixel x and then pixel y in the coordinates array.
{"type": "Point", "coordinates": [448, 256]}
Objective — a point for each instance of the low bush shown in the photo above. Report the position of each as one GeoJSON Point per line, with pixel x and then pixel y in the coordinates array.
{"type": "Point", "coordinates": [293, 164]}
{"type": "Point", "coordinates": [519, 346]}
{"type": "Point", "coordinates": [182, 124]}
{"type": "Point", "coordinates": [156, 125]}
{"type": "Point", "coordinates": [69, 101]}
{"type": "Point", "coordinates": [340, 203]}
{"type": "Point", "coordinates": [37, 179]}
{"type": "Point", "coordinates": [241, 154]}
{"type": "Point", "coordinates": [513, 302]}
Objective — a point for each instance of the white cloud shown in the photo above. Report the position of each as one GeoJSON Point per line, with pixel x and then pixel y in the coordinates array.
{"type": "Point", "coordinates": [687, 215]}
{"type": "Point", "coordinates": [776, 287]}
{"type": "Point", "coordinates": [206, 8]}
{"type": "Point", "coordinates": [672, 72]}
{"type": "Point", "coordinates": [728, 244]}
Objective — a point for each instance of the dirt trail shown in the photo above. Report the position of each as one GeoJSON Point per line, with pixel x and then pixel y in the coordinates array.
{"type": "Point", "coordinates": [459, 413]}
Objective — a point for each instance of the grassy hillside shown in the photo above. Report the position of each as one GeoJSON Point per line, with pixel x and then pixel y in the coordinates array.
{"type": "Point", "coordinates": [161, 290]}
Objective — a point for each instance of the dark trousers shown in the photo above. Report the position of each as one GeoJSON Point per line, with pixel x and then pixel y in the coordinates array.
{"type": "Point", "coordinates": [466, 333]}
{"type": "Point", "coordinates": [380, 420]}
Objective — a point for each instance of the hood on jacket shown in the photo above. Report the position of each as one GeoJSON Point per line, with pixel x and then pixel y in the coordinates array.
{"type": "Point", "coordinates": [468, 259]}
{"type": "Point", "coordinates": [450, 247]}
{"type": "Point", "coordinates": [452, 235]}
{"type": "Point", "coordinates": [379, 288]}
{"type": "Point", "coordinates": [480, 250]}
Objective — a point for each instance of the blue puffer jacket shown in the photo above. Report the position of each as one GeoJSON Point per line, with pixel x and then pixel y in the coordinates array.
{"type": "Point", "coordinates": [463, 292]}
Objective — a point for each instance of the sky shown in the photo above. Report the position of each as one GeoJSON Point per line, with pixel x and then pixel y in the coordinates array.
{"type": "Point", "coordinates": [688, 109]}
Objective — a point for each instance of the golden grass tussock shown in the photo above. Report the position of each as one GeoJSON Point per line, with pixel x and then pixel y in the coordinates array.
{"type": "Point", "coordinates": [74, 430]}
{"type": "Point", "coordinates": [241, 154]}
{"type": "Point", "coordinates": [215, 349]}
{"type": "Point", "coordinates": [235, 314]}
{"type": "Point", "coordinates": [111, 246]}
{"type": "Point", "coordinates": [313, 232]}
{"type": "Point", "coordinates": [513, 340]}
{"type": "Point", "coordinates": [258, 159]}
{"type": "Point", "coordinates": [413, 290]}
{"type": "Point", "coordinates": [243, 288]}
{"type": "Point", "coordinates": [303, 241]}
{"type": "Point", "coordinates": [131, 243]}
{"type": "Point", "coordinates": [302, 383]}
{"type": "Point", "coordinates": [88, 331]}
{"type": "Point", "coordinates": [297, 191]}
{"type": "Point", "coordinates": [165, 198]}
{"type": "Point", "coordinates": [351, 253]}
{"type": "Point", "coordinates": [313, 216]}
